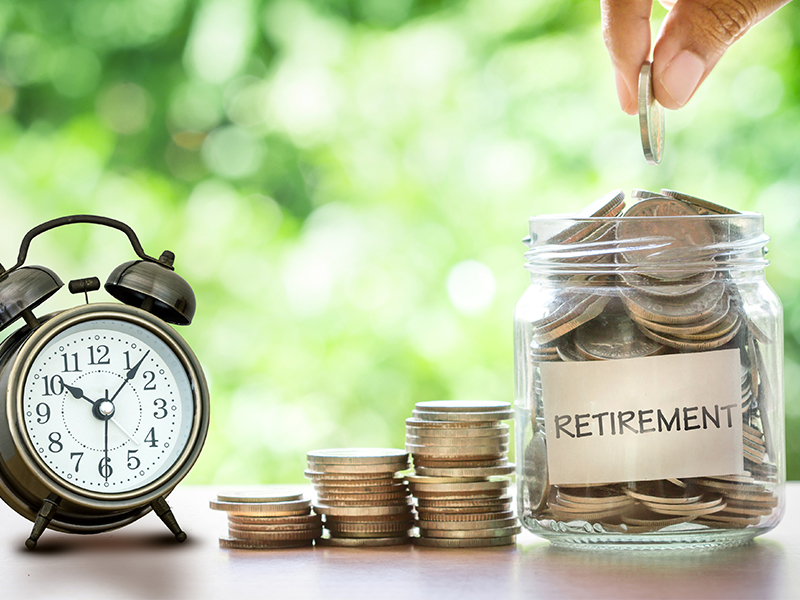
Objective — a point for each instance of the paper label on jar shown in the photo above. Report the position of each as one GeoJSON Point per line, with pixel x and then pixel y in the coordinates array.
{"type": "Point", "coordinates": [634, 419]}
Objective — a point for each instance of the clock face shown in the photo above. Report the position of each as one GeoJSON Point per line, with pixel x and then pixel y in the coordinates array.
{"type": "Point", "coordinates": [107, 406]}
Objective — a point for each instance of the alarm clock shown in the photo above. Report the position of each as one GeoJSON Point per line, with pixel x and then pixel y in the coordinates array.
{"type": "Point", "coordinates": [106, 406]}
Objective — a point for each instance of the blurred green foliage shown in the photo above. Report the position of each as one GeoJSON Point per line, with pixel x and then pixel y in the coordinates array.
{"type": "Point", "coordinates": [345, 183]}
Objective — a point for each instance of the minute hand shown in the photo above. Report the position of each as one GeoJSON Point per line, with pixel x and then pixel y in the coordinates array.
{"type": "Point", "coordinates": [130, 375]}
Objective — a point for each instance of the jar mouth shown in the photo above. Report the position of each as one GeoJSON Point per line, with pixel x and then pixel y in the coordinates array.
{"type": "Point", "coordinates": [672, 246]}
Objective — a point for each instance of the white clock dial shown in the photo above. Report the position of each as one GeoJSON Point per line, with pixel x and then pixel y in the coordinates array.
{"type": "Point", "coordinates": [107, 406]}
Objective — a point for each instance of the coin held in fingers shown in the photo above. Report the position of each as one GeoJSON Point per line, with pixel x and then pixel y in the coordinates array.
{"type": "Point", "coordinates": [651, 117]}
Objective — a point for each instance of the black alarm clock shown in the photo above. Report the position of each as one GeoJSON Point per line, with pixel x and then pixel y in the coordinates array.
{"type": "Point", "coordinates": [106, 405]}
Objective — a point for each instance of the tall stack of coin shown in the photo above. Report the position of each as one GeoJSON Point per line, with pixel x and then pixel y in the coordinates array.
{"type": "Point", "coordinates": [264, 519]}
{"type": "Point", "coordinates": [362, 496]}
{"type": "Point", "coordinates": [460, 452]}
{"type": "Point", "coordinates": [654, 297]}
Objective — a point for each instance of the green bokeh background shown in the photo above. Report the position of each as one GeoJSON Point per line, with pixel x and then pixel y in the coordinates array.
{"type": "Point", "coordinates": [346, 184]}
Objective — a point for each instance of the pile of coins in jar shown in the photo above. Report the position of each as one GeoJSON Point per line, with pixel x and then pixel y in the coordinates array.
{"type": "Point", "coordinates": [642, 312]}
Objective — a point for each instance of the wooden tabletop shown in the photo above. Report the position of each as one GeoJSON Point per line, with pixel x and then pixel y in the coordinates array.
{"type": "Point", "coordinates": [143, 561]}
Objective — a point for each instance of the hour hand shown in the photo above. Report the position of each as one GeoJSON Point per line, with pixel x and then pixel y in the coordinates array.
{"type": "Point", "coordinates": [78, 393]}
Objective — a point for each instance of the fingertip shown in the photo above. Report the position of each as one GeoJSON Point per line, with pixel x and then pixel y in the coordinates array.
{"type": "Point", "coordinates": [677, 82]}
{"type": "Point", "coordinates": [626, 97]}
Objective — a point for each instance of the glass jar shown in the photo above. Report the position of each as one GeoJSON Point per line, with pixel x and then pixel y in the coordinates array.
{"type": "Point", "coordinates": [649, 383]}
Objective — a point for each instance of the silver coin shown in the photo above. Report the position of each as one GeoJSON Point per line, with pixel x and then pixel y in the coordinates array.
{"type": "Point", "coordinates": [651, 117]}
{"type": "Point", "coordinates": [613, 336]}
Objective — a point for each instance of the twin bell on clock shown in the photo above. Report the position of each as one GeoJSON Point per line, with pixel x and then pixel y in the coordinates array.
{"type": "Point", "coordinates": [105, 406]}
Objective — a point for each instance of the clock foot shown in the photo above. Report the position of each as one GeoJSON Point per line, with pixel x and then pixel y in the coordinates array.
{"type": "Point", "coordinates": [46, 514]}
{"type": "Point", "coordinates": [164, 512]}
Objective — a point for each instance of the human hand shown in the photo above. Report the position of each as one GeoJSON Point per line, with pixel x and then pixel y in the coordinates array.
{"type": "Point", "coordinates": [693, 37]}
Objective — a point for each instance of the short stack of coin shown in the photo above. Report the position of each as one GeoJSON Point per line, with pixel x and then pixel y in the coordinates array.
{"type": "Point", "coordinates": [364, 500]}
{"type": "Point", "coordinates": [460, 450]}
{"type": "Point", "coordinates": [264, 519]}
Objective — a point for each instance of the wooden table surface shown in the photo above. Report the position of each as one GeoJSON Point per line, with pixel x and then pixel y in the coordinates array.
{"type": "Point", "coordinates": [143, 561]}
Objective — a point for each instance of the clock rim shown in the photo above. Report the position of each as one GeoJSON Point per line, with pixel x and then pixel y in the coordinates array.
{"type": "Point", "coordinates": [91, 499]}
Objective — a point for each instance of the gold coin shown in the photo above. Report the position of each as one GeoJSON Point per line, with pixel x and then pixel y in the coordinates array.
{"type": "Point", "coordinates": [595, 495]}
{"type": "Point", "coordinates": [378, 527]}
{"type": "Point", "coordinates": [364, 542]}
{"type": "Point", "coordinates": [401, 501]}
{"type": "Point", "coordinates": [765, 498]}
{"type": "Point", "coordinates": [681, 330]}
{"type": "Point", "coordinates": [689, 309]}
{"type": "Point", "coordinates": [645, 518]}
{"type": "Point", "coordinates": [325, 476]}
{"type": "Point", "coordinates": [430, 514]}
{"type": "Point", "coordinates": [236, 544]}
{"type": "Point", "coordinates": [263, 508]}
{"type": "Point", "coordinates": [465, 542]}
{"type": "Point", "coordinates": [365, 519]}
{"type": "Point", "coordinates": [405, 533]}
{"type": "Point", "coordinates": [459, 512]}
{"type": "Point", "coordinates": [471, 417]}
{"type": "Point", "coordinates": [471, 533]}
{"type": "Point", "coordinates": [466, 525]}
{"type": "Point", "coordinates": [493, 504]}
{"type": "Point", "coordinates": [463, 405]}
{"type": "Point", "coordinates": [357, 456]}
{"type": "Point", "coordinates": [388, 468]}
{"type": "Point", "coordinates": [486, 495]}
{"type": "Point", "coordinates": [360, 511]}
{"type": "Point", "coordinates": [696, 510]}
{"type": "Point", "coordinates": [360, 488]}
{"type": "Point", "coordinates": [421, 479]}
{"type": "Point", "coordinates": [692, 345]}
{"type": "Point", "coordinates": [662, 492]}
{"type": "Point", "coordinates": [492, 430]}
{"type": "Point", "coordinates": [251, 534]}
{"type": "Point", "coordinates": [362, 498]}
{"type": "Point", "coordinates": [465, 463]}
{"type": "Point", "coordinates": [275, 527]}
{"type": "Point", "coordinates": [298, 520]}
{"type": "Point", "coordinates": [260, 495]}
{"type": "Point", "coordinates": [703, 207]}
{"type": "Point", "coordinates": [450, 452]}
{"type": "Point", "coordinates": [609, 205]}
{"type": "Point", "coordinates": [465, 472]}
{"type": "Point", "coordinates": [579, 315]}
{"type": "Point", "coordinates": [472, 486]}
{"type": "Point", "coordinates": [438, 425]}
{"type": "Point", "coordinates": [457, 442]}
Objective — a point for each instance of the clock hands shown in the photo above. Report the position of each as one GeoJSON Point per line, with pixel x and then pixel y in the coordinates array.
{"type": "Point", "coordinates": [104, 408]}
{"type": "Point", "coordinates": [106, 468]}
{"type": "Point", "coordinates": [78, 393]}
{"type": "Point", "coordinates": [110, 409]}
{"type": "Point", "coordinates": [130, 375]}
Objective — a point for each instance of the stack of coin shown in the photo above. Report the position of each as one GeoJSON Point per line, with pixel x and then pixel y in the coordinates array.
{"type": "Point", "coordinates": [263, 519]}
{"type": "Point", "coordinates": [362, 496]}
{"type": "Point", "coordinates": [460, 450]}
{"type": "Point", "coordinates": [658, 295]}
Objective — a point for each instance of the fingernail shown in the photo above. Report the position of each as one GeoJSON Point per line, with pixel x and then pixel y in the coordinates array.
{"type": "Point", "coordinates": [682, 76]}
{"type": "Point", "coordinates": [623, 93]}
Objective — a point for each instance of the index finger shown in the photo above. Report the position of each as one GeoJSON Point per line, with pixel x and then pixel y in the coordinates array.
{"type": "Point", "coordinates": [626, 32]}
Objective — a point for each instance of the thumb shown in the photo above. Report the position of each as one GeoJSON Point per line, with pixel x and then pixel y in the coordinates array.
{"type": "Point", "coordinates": [694, 36]}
